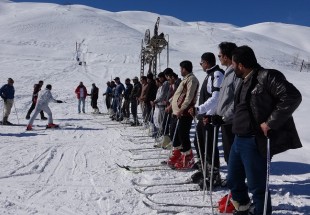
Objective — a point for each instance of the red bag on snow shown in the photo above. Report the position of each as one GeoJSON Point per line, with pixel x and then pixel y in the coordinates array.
{"type": "Point", "coordinates": [222, 204]}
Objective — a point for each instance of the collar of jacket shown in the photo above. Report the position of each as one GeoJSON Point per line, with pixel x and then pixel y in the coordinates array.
{"type": "Point", "coordinates": [188, 75]}
{"type": "Point", "coordinates": [213, 69]}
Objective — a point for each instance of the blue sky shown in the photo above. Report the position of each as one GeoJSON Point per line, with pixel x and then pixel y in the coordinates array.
{"type": "Point", "coordinates": [238, 12]}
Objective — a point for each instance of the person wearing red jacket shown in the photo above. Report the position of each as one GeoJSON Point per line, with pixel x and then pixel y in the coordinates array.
{"type": "Point", "coordinates": [81, 93]}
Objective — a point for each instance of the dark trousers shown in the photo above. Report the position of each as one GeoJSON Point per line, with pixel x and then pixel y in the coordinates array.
{"type": "Point", "coordinates": [125, 108]}
{"type": "Point", "coordinates": [182, 132]}
{"type": "Point", "coordinates": [227, 139]}
{"type": "Point", "coordinates": [32, 107]}
{"type": "Point", "coordinates": [108, 100]}
{"type": "Point", "coordinates": [147, 112]}
{"type": "Point", "coordinates": [203, 130]}
{"type": "Point", "coordinates": [134, 109]}
{"type": "Point", "coordinates": [93, 103]}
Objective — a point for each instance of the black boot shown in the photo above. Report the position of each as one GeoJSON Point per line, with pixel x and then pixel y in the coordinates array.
{"type": "Point", "coordinates": [197, 177]}
{"type": "Point", "coordinates": [197, 165]}
{"type": "Point", "coordinates": [217, 181]}
{"type": "Point", "coordinates": [241, 212]}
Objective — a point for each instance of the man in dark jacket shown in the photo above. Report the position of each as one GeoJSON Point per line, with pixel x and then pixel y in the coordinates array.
{"type": "Point", "coordinates": [7, 93]}
{"type": "Point", "coordinates": [94, 98]}
{"type": "Point", "coordinates": [36, 89]}
{"type": "Point", "coordinates": [118, 97]}
{"type": "Point", "coordinates": [264, 104]}
{"type": "Point", "coordinates": [108, 96]}
{"type": "Point", "coordinates": [127, 92]}
{"type": "Point", "coordinates": [149, 96]}
{"type": "Point", "coordinates": [134, 96]}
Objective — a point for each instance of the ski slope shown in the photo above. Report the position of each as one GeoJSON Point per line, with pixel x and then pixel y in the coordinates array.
{"type": "Point", "coordinates": [73, 170]}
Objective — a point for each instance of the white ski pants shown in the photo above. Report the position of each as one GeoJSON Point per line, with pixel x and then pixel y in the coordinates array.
{"type": "Point", "coordinates": [37, 110]}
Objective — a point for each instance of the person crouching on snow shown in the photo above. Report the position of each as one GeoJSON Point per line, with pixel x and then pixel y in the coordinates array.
{"type": "Point", "coordinates": [45, 97]}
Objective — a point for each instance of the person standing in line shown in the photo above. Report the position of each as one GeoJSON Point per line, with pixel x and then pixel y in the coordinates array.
{"type": "Point", "coordinates": [183, 99]}
{"type": "Point", "coordinates": [108, 97]}
{"type": "Point", "coordinates": [150, 96]}
{"type": "Point", "coordinates": [158, 107]}
{"type": "Point", "coordinates": [81, 93]}
{"type": "Point", "coordinates": [126, 103]}
{"type": "Point", "coordinates": [225, 108]}
{"type": "Point", "coordinates": [113, 87]}
{"type": "Point", "coordinates": [45, 96]}
{"type": "Point", "coordinates": [94, 98]}
{"type": "Point", "coordinates": [142, 98]}
{"type": "Point", "coordinates": [7, 93]}
{"type": "Point", "coordinates": [174, 82]}
{"type": "Point", "coordinates": [36, 89]}
{"type": "Point", "coordinates": [117, 101]}
{"type": "Point", "coordinates": [134, 97]}
{"type": "Point", "coordinates": [264, 104]}
{"type": "Point", "coordinates": [168, 90]}
{"type": "Point", "coordinates": [208, 100]}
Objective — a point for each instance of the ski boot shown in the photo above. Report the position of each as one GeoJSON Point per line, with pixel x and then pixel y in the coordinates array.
{"type": "Point", "coordinates": [186, 162]}
{"type": "Point", "coordinates": [175, 157]}
{"type": "Point", "coordinates": [51, 125]}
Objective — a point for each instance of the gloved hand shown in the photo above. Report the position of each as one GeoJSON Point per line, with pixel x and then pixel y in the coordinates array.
{"type": "Point", "coordinates": [217, 120]}
{"type": "Point", "coordinates": [206, 119]}
{"type": "Point", "coordinates": [59, 101]}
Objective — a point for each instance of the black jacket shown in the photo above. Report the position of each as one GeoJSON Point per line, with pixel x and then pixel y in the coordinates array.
{"type": "Point", "coordinates": [136, 91]}
{"type": "Point", "coordinates": [94, 93]}
{"type": "Point", "coordinates": [272, 99]}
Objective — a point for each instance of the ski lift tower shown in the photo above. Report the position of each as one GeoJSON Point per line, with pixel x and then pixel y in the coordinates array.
{"type": "Point", "coordinates": [151, 49]}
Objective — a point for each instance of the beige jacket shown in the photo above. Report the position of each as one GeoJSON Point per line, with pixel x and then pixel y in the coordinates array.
{"type": "Point", "coordinates": [186, 94]}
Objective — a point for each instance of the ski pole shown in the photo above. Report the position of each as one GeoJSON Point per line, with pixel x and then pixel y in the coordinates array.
{"type": "Point", "coordinates": [162, 143]}
{"type": "Point", "coordinates": [151, 124]}
{"type": "Point", "coordinates": [199, 148]}
{"type": "Point", "coordinates": [86, 103]}
{"type": "Point", "coordinates": [205, 165]}
{"type": "Point", "coordinates": [175, 131]}
{"type": "Point", "coordinates": [267, 176]}
{"type": "Point", "coordinates": [166, 124]}
{"type": "Point", "coordinates": [3, 111]}
{"type": "Point", "coordinates": [16, 112]}
{"type": "Point", "coordinates": [212, 166]}
{"type": "Point", "coordinates": [227, 200]}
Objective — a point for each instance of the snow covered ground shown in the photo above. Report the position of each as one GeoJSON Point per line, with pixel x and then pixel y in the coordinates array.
{"type": "Point", "coordinates": [73, 170]}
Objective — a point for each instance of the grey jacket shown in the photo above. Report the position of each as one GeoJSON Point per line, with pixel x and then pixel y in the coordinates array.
{"type": "Point", "coordinates": [225, 106]}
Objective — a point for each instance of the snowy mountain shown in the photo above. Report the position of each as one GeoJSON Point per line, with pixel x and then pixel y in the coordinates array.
{"type": "Point", "coordinates": [72, 170]}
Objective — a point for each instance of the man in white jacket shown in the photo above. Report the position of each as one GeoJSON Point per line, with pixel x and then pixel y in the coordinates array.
{"type": "Point", "coordinates": [45, 97]}
{"type": "Point", "coordinates": [208, 100]}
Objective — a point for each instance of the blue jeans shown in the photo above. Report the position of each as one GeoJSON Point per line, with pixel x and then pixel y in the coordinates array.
{"type": "Point", "coordinates": [81, 100]}
{"type": "Point", "coordinates": [245, 162]}
{"type": "Point", "coordinates": [116, 105]}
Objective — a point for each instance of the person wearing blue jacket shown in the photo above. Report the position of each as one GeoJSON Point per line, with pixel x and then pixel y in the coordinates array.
{"type": "Point", "coordinates": [7, 93]}
{"type": "Point", "coordinates": [117, 101]}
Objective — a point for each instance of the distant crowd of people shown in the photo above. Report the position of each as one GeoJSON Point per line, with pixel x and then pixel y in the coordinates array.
{"type": "Point", "coordinates": [247, 103]}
